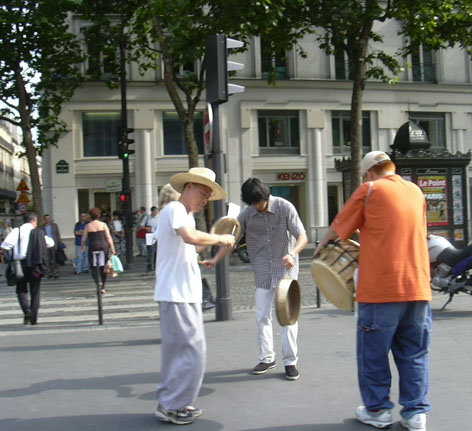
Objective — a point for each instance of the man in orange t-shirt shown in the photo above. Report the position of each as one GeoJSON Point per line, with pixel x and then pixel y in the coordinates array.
{"type": "Point", "coordinates": [393, 291]}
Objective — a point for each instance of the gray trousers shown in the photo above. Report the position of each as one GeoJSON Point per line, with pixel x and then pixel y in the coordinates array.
{"type": "Point", "coordinates": [183, 348]}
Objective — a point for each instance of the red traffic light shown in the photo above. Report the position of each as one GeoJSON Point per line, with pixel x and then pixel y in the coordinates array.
{"type": "Point", "coordinates": [123, 198]}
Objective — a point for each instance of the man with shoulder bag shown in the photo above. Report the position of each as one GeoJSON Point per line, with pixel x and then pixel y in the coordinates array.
{"type": "Point", "coordinates": [29, 247]}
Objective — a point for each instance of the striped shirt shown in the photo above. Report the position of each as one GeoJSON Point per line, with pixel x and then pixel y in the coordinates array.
{"type": "Point", "coordinates": [269, 237]}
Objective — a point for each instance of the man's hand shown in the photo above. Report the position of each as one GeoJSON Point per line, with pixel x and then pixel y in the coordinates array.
{"type": "Point", "coordinates": [226, 240]}
{"type": "Point", "coordinates": [288, 261]}
{"type": "Point", "coordinates": [208, 263]}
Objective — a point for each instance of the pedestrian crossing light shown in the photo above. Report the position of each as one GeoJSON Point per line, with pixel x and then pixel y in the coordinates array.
{"type": "Point", "coordinates": [123, 145]}
{"type": "Point", "coordinates": [217, 67]}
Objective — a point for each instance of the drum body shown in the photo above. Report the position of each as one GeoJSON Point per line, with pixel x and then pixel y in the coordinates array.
{"type": "Point", "coordinates": [334, 272]}
{"type": "Point", "coordinates": [227, 225]}
{"type": "Point", "coordinates": [287, 301]}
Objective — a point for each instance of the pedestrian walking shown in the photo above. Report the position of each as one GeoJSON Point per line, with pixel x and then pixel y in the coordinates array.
{"type": "Point", "coordinates": [179, 294]}
{"type": "Point", "coordinates": [81, 262]}
{"type": "Point", "coordinates": [393, 292]}
{"type": "Point", "coordinates": [141, 231]}
{"type": "Point", "coordinates": [29, 246]}
{"type": "Point", "coordinates": [275, 236]}
{"type": "Point", "coordinates": [51, 230]}
{"type": "Point", "coordinates": [118, 234]}
{"type": "Point", "coordinates": [149, 224]}
{"type": "Point", "coordinates": [100, 246]}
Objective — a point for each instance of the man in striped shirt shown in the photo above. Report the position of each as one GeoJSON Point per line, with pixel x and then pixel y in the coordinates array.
{"type": "Point", "coordinates": [275, 236]}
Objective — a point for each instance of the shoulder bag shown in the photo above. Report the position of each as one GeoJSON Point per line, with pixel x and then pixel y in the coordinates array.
{"type": "Point", "coordinates": [14, 272]}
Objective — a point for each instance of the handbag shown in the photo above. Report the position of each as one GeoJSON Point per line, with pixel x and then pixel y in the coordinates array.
{"type": "Point", "coordinates": [14, 272]}
{"type": "Point", "coordinates": [116, 262]}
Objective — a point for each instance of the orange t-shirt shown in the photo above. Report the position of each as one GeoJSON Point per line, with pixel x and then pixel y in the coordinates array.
{"type": "Point", "coordinates": [394, 259]}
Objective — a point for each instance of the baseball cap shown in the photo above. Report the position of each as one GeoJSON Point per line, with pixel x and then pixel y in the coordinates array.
{"type": "Point", "coordinates": [371, 159]}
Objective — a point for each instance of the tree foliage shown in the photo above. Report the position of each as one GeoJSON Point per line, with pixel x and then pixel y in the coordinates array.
{"type": "Point", "coordinates": [38, 73]}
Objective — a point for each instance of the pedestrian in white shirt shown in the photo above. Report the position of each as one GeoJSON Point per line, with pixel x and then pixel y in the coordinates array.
{"type": "Point", "coordinates": [29, 246]}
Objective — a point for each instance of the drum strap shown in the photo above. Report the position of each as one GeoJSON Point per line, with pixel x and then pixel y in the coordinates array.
{"type": "Point", "coordinates": [371, 186]}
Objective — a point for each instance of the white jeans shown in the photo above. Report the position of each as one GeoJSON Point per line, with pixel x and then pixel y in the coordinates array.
{"type": "Point", "coordinates": [264, 303]}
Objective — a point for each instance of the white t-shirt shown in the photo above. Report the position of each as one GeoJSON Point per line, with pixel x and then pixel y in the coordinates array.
{"type": "Point", "coordinates": [178, 274]}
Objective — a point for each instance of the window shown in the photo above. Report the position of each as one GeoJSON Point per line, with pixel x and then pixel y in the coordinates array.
{"type": "Point", "coordinates": [340, 122]}
{"type": "Point", "coordinates": [174, 138]}
{"type": "Point", "coordinates": [102, 61]}
{"type": "Point", "coordinates": [100, 130]}
{"type": "Point", "coordinates": [274, 62]}
{"type": "Point", "coordinates": [434, 125]}
{"type": "Point", "coordinates": [279, 132]}
{"type": "Point", "coordinates": [343, 67]}
{"type": "Point", "coordinates": [423, 65]}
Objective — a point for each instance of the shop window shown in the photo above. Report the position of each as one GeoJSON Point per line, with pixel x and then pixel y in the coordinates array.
{"type": "Point", "coordinates": [423, 65]}
{"type": "Point", "coordinates": [100, 133]}
{"type": "Point", "coordinates": [279, 132]}
{"type": "Point", "coordinates": [434, 125]}
{"type": "Point", "coordinates": [273, 62]}
{"type": "Point", "coordinates": [174, 137]}
{"type": "Point", "coordinates": [340, 122]}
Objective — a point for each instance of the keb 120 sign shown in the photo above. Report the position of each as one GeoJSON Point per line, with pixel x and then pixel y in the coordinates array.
{"type": "Point", "coordinates": [291, 176]}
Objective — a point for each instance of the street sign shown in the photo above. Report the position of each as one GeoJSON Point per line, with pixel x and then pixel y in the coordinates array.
{"type": "Point", "coordinates": [208, 129]}
{"type": "Point", "coordinates": [23, 198]}
{"type": "Point", "coordinates": [22, 187]}
{"type": "Point", "coordinates": [23, 207]}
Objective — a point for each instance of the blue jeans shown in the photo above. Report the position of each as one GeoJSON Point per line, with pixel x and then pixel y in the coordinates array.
{"type": "Point", "coordinates": [405, 329]}
{"type": "Point", "coordinates": [81, 259]}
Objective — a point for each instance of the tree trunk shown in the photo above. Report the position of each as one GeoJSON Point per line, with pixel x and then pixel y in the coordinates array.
{"type": "Point", "coordinates": [24, 109]}
{"type": "Point", "coordinates": [358, 56]}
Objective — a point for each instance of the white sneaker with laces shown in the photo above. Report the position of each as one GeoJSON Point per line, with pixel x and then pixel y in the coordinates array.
{"type": "Point", "coordinates": [382, 419]}
{"type": "Point", "coordinates": [415, 423]}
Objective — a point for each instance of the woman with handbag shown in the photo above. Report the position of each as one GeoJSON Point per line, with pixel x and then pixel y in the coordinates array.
{"type": "Point", "coordinates": [29, 247]}
{"type": "Point", "coordinates": [100, 244]}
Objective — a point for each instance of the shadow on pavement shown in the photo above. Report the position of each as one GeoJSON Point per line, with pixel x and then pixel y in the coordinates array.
{"type": "Point", "coordinates": [98, 344]}
{"type": "Point", "coordinates": [106, 422]}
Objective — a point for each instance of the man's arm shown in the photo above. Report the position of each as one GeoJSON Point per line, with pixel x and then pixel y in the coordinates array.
{"type": "Point", "coordinates": [331, 235]}
{"type": "Point", "coordinates": [199, 238]}
{"type": "Point", "coordinates": [289, 259]}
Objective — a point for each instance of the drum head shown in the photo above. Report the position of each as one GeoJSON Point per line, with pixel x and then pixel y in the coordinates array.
{"type": "Point", "coordinates": [287, 301]}
{"type": "Point", "coordinates": [225, 225]}
{"type": "Point", "coordinates": [333, 287]}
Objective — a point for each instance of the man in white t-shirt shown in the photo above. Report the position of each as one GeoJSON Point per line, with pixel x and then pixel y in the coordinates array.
{"type": "Point", "coordinates": [179, 294]}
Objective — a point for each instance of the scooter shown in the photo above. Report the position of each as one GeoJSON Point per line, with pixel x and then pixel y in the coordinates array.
{"type": "Point", "coordinates": [450, 267]}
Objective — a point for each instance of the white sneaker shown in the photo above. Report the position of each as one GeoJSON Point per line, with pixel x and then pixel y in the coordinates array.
{"type": "Point", "coordinates": [381, 419]}
{"type": "Point", "coordinates": [415, 423]}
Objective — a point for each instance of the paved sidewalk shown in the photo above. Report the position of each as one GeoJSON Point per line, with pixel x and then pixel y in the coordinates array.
{"type": "Point", "coordinates": [105, 379]}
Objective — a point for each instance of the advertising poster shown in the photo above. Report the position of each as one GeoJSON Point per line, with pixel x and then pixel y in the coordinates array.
{"type": "Point", "coordinates": [457, 207]}
{"type": "Point", "coordinates": [434, 188]}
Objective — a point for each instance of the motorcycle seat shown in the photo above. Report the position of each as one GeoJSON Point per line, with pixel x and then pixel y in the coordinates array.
{"type": "Point", "coordinates": [452, 255]}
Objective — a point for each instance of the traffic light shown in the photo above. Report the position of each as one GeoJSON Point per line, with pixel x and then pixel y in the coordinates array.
{"type": "Point", "coordinates": [218, 66]}
{"type": "Point", "coordinates": [124, 197]}
{"type": "Point", "coordinates": [123, 145]}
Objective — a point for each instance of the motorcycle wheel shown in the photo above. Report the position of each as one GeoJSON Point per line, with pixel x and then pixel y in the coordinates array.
{"type": "Point", "coordinates": [243, 254]}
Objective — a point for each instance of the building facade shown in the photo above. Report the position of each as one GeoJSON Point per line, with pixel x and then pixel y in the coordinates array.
{"type": "Point", "coordinates": [13, 170]}
{"type": "Point", "coordinates": [289, 134]}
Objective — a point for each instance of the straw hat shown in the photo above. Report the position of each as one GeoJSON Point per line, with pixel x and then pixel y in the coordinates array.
{"type": "Point", "coordinates": [203, 176]}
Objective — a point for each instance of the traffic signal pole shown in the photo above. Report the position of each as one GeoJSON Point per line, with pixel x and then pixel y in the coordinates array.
{"type": "Point", "coordinates": [126, 188]}
{"type": "Point", "coordinates": [224, 308]}
{"type": "Point", "coordinates": [217, 91]}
